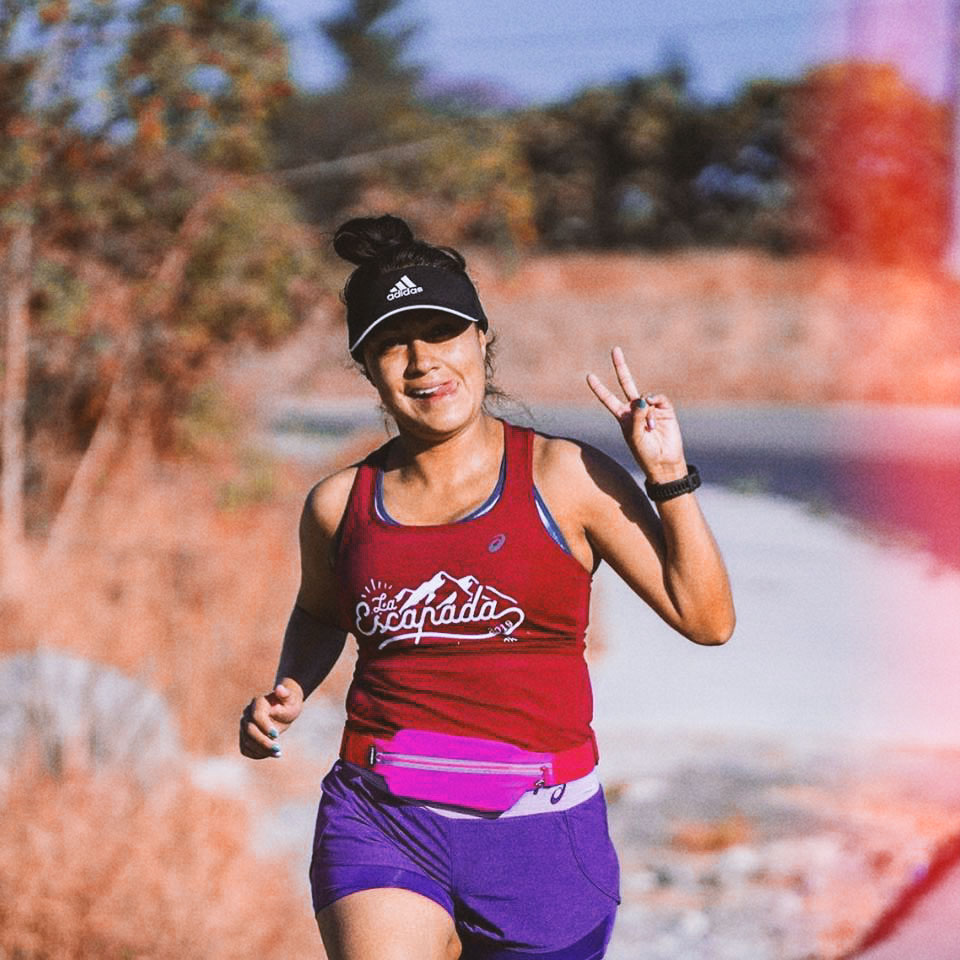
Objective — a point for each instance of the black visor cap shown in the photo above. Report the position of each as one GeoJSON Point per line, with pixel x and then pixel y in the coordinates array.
{"type": "Point", "coordinates": [412, 288]}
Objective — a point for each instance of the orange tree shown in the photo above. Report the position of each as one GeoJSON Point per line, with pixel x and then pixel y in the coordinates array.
{"type": "Point", "coordinates": [870, 161]}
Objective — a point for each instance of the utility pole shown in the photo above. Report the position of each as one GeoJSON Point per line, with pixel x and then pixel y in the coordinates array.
{"type": "Point", "coordinates": [952, 258]}
{"type": "Point", "coordinates": [857, 29]}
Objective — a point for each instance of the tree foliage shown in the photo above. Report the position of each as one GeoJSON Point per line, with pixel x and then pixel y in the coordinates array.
{"type": "Point", "coordinates": [154, 244]}
{"type": "Point", "coordinates": [644, 162]}
{"type": "Point", "coordinates": [203, 76]}
{"type": "Point", "coordinates": [375, 55]}
{"type": "Point", "coordinates": [871, 158]}
{"type": "Point", "coordinates": [374, 105]}
{"type": "Point", "coordinates": [470, 180]}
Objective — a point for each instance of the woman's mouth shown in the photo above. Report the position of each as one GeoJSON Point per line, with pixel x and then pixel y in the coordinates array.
{"type": "Point", "coordinates": [433, 391]}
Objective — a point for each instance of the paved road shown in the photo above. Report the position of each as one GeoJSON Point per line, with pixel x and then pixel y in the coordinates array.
{"type": "Point", "coordinates": [856, 461]}
{"type": "Point", "coordinates": [840, 634]}
{"type": "Point", "coordinates": [841, 629]}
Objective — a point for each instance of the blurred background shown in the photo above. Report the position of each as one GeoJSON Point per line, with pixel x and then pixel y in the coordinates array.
{"type": "Point", "coordinates": [760, 201]}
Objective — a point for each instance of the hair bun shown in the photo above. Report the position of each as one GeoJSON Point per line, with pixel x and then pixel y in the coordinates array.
{"type": "Point", "coordinates": [365, 239]}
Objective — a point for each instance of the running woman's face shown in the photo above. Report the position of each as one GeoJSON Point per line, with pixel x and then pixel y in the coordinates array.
{"type": "Point", "coordinates": [428, 367]}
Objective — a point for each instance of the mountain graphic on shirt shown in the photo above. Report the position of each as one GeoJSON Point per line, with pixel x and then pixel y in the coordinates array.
{"type": "Point", "coordinates": [442, 609]}
{"type": "Point", "coordinates": [450, 590]}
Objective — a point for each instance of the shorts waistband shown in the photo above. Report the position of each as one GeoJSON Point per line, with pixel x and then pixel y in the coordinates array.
{"type": "Point", "coordinates": [539, 800]}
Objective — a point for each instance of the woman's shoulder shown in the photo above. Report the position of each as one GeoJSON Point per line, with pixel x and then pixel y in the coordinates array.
{"type": "Point", "coordinates": [564, 455]}
{"type": "Point", "coordinates": [569, 466]}
{"type": "Point", "coordinates": [327, 499]}
{"type": "Point", "coordinates": [552, 453]}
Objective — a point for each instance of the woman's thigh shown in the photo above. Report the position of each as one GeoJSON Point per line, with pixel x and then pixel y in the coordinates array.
{"type": "Point", "coordinates": [389, 924]}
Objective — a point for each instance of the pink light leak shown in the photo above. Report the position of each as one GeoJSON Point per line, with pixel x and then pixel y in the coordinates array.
{"type": "Point", "coordinates": [913, 36]}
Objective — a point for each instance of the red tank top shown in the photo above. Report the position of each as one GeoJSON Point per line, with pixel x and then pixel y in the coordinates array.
{"type": "Point", "coordinates": [473, 628]}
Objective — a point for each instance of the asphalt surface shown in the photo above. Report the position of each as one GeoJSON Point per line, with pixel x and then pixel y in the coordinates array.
{"type": "Point", "coordinates": [848, 601]}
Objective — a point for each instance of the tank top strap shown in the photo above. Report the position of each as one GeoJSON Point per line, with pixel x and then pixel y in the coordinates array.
{"type": "Point", "coordinates": [518, 485]}
{"type": "Point", "coordinates": [360, 504]}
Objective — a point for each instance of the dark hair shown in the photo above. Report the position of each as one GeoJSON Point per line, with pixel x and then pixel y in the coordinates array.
{"type": "Point", "coordinates": [378, 245]}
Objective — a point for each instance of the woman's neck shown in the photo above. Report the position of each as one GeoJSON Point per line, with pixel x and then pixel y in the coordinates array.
{"type": "Point", "coordinates": [460, 457]}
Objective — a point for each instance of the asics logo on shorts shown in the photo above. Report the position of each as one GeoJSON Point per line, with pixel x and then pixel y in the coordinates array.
{"type": "Point", "coordinates": [404, 287]}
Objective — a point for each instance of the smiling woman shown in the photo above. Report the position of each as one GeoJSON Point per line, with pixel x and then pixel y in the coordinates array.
{"type": "Point", "coordinates": [460, 555]}
{"type": "Point", "coordinates": [400, 361]}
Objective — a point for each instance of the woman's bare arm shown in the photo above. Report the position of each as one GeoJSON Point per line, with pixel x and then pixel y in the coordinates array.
{"type": "Point", "coordinates": [312, 641]}
{"type": "Point", "coordinates": [670, 557]}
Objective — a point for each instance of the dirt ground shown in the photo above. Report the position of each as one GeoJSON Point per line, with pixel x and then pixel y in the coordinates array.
{"type": "Point", "coordinates": [707, 327]}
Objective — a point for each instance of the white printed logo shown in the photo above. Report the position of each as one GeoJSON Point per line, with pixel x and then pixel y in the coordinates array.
{"type": "Point", "coordinates": [421, 613]}
{"type": "Point", "coordinates": [404, 287]}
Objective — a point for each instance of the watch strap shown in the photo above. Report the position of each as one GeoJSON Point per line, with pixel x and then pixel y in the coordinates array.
{"type": "Point", "coordinates": [658, 492]}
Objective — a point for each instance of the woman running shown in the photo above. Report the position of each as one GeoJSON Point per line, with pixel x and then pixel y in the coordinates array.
{"type": "Point", "coordinates": [464, 817]}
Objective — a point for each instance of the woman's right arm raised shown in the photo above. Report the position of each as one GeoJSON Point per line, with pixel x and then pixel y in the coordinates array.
{"type": "Point", "coordinates": [312, 642]}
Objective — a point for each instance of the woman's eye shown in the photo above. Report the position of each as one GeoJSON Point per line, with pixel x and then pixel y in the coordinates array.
{"type": "Point", "coordinates": [443, 331]}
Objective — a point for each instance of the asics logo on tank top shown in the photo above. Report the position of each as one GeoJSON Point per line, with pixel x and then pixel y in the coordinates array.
{"type": "Point", "coordinates": [404, 287]}
{"type": "Point", "coordinates": [434, 610]}
{"type": "Point", "coordinates": [496, 543]}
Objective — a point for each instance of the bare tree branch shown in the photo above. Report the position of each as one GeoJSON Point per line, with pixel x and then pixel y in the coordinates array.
{"type": "Point", "coordinates": [158, 294]}
{"type": "Point", "coordinates": [17, 295]}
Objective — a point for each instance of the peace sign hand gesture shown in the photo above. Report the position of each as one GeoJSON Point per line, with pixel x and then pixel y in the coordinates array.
{"type": "Point", "coordinates": [648, 422]}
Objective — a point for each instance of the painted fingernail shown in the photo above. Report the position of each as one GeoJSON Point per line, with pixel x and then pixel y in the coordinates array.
{"type": "Point", "coordinates": [275, 750]}
{"type": "Point", "coordinates": [640, 403]}
{"type": "Point", "coordinates": [272, 734]}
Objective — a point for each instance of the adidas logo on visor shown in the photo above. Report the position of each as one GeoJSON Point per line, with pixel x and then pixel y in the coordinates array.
{"type": "Point", "coordinates": [404, 287]}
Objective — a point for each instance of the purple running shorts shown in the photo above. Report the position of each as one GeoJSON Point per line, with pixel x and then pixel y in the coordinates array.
{"type": "Point", "coordinates": [544, 885]}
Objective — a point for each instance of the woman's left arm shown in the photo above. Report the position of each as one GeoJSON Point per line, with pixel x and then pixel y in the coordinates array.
{"type": "Point", "coordinates": [671, 560]}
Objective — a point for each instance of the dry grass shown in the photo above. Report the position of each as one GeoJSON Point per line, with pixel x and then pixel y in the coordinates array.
{"type": "Point", "coordinates": [188, 593]}
{"type": "Point", "coordinates": [94, 868]}
{"type": "Point", "coordinates": [710, 836]}
{"type": "Point", "coordinates": [178, 585]}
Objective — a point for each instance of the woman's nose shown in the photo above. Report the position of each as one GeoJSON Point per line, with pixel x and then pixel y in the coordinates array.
{"type": "Point", "coordinates": [420, 357]}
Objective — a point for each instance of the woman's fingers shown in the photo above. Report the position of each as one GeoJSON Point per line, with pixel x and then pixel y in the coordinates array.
{"type": "Point", "coordinates": [644, 406]}
{"type": "Point", "coordinates": [617, 407]}
{"type": "Point", "coordinates": [258, 734]}
{"type": "Point", "coordinates": [629, 388]}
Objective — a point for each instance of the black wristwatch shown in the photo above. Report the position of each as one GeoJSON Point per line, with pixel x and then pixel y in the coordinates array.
{"type": "Point", "coordinates": [658, 492]}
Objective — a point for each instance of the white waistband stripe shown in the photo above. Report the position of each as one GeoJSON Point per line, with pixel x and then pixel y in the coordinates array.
{"type": "Point", "coordinates": [544, 800]}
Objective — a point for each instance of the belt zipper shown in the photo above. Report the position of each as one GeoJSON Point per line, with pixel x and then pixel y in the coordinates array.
{"type": "Point", "coordinates": [451, 765]}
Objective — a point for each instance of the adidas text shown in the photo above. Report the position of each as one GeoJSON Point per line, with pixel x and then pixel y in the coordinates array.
{"type": "Point", "coordinates": [404, 287]}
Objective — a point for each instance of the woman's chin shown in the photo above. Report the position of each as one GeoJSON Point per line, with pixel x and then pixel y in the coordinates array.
{"type": "Point", "coordinates": [444, 415]}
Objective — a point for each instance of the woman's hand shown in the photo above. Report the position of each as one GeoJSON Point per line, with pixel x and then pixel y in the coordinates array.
{"type": "Point", "coordinates": [266, 717]}
{"type": "Point", "coordinates": [648, 422]}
